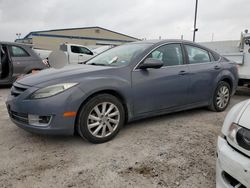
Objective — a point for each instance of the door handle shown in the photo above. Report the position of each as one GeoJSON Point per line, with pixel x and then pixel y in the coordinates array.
{"type": "Point", "coordinates": [217, 67]}
{"type": "Point", "coordinates": [183, 72]}
{"type": "Point", "coordinates": [80, 55]}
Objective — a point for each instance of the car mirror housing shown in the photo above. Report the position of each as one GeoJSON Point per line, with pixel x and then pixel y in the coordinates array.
{"type": "Point", "coordinates": [151, 63]}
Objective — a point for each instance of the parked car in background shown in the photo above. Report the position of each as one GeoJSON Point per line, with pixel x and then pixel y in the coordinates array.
{"type": "Point", "coordinates": [233, 149]}
{"type": "Point", "coordinates": [17, 59]}
{"type": "Point", "coordinates": [129, 82]}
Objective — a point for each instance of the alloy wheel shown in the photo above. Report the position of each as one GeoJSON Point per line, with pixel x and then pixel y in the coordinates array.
{"type": "Point", "coordinates": [223, 96]}
{"type": "Point", "coordinates": [103, 119]}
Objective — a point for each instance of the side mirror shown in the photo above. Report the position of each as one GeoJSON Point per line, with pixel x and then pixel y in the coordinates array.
{"type": "Point", "coordinates": [151, 63]}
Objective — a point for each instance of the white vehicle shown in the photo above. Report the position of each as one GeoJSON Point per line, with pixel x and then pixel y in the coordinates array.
{"type": "Point", "coordinates": [237, 51]}
{"type": "Point", "coordinates": [233, 149]}
{"type": "Point", "coordinates": [44, 54]}
{"type": "Point", "coordinates": [75, 53]}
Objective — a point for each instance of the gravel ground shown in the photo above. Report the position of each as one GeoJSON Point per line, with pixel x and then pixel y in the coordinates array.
{"type": "Point", "coordinates": [176, 150]}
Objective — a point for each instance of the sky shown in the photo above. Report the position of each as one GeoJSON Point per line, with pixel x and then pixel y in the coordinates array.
{"type": "Point", "coordinates": [150, 19]}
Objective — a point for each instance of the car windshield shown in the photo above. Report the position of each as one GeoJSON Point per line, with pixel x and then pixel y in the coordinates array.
{"type": "Point", "coordinates": [118, 56]}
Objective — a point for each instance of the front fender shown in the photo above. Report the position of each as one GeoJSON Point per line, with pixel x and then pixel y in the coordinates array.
{"type": "Point", "coordinates": [121, 86]}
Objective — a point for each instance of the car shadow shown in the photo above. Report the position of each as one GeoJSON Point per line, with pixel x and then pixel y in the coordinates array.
{"type": "Point", "coordinates": [243, 91]}
{"type": "Point", "coordinates": [5, 86]}
{"type": "Point", "coordinates": [165, 117]}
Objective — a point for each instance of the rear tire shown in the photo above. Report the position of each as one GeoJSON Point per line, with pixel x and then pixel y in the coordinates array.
{"type": "Point", "coordinates": [101, 118]}
{"type": "Point", "coordinates": [221, 97]}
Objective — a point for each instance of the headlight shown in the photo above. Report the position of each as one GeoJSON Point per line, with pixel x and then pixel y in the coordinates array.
{"type": "Point", "coordinates": [243, 138]}
{"type": "Point", "coordinates": [239, 135]}
{"type": "Point", "coordinates": [51, 90]}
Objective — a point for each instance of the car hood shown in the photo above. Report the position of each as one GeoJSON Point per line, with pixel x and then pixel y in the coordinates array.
{"type": "Point", "coordinates": [65, 73]}
{"type": "Point", "coordinates": [244, 119]}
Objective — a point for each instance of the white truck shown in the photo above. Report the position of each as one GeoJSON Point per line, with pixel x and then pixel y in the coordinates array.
{"type": "Point", "coordinates": [75, 53]}
{"type": "Point", "coordinates": [237, 51]}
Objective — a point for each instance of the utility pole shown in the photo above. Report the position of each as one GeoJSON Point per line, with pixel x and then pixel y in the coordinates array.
{"type": "Point", "coordinates": [195, 17]}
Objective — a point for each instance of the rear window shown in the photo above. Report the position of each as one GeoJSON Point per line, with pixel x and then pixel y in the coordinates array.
{"type": "Point", "coordinates": [197, 55]}
{"type": "Point", "coordinates": [225, 59]}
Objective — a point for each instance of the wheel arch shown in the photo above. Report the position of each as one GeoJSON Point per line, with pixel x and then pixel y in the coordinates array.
{"type": "Point", "coordinates": [229, 81]}
{"type": "Point", "coordinates": [105, 91]}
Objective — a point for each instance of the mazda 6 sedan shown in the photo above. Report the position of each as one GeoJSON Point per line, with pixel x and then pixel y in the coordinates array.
{"type": "Point", "coordinates": [129, 82]}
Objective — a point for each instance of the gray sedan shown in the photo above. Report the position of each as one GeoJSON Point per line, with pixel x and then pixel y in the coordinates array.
{"type": "Point", "coordinates": [126, 83]}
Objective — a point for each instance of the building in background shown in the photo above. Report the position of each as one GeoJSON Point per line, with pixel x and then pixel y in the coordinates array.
{"type": "Point", "coordinates": [87, 36]}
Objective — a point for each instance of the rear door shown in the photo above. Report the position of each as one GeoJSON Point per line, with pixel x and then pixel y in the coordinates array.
{"type": "Point", "coordinates": [163, 88]}
{"type": "Point", "coordinates": [203, 71]}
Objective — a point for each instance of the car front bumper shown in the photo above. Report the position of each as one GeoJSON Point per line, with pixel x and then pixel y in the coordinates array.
{"type": "Point", "coordinates": [19, 107]}
{"type": "Point", "coordinates": [232, 167]}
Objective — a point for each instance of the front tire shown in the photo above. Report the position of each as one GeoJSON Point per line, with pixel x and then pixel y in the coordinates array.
{"type": "Point", "coordinates": [221, 97]}
{"type": "Point", "coordinates": [101, 118]}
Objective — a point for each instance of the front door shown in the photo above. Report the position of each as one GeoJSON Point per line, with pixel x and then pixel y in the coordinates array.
{"type": "Point", "coordinates": [163, 88]}
{"type": "Point", "coordinates": [5, 65]}
{"type": "Point", "coordinates": [20, 59]}
{"type": "Point", "coordinates": [1, 62]}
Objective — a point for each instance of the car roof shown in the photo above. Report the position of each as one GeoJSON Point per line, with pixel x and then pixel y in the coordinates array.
{"type": "Point", "coordinates": [157, 42]}
{"type": "Point", "coordinates": [15, 43]}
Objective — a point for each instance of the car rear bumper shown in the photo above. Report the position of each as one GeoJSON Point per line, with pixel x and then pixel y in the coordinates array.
{"type": "Point", "coordinates": [232, 167]}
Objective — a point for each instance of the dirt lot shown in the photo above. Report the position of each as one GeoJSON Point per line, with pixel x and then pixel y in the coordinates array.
{"type": "Point", "coordinates": [176, 150]}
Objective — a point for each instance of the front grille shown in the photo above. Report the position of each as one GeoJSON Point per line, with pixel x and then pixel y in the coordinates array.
{"type": "Point", "coordinates": [20, 117]}
{"type": "Point", "coordinates": [18, 89]}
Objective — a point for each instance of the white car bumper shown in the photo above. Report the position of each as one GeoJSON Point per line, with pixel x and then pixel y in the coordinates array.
{"type": "Point", "coordinates": [232, 168]}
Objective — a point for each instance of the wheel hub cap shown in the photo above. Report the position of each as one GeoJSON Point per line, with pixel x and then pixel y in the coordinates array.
{"type": "Point", "coordinates": [222, 97]}
{"type": "Point", "coordinates": [103, 119]}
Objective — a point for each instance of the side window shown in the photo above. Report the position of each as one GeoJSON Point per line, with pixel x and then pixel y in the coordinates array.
{"type": "Point", "coordinates": [85, 51]}
{"type": "Point", "coordinates": [197, 55]}
{"type": "Point", "coordinates": [75, 49]}
{"type": "Point", "coordinates": [16, 51]}
{"type": "Point", "coordinates": [170, 54]}
{"type": "Point", "coordinates": [80, 50]}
